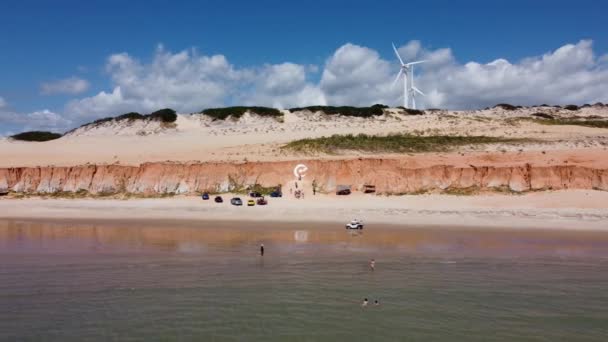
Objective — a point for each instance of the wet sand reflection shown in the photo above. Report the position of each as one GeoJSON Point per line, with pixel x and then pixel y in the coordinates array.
{"type": "Point", "coordinates": [194, 238]}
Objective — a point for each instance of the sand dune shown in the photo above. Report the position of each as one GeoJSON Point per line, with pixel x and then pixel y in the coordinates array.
{"type": "Point", "coordinates": [252, 138]}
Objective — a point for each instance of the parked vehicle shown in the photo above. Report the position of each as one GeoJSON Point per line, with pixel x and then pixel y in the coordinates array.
{"type": "Point", "coordinates": [262, 201]}
{"type": "Point", "coordinates": [355, 224]}
{"type": "Point", "coordinates": [218, 199]}
{"type": "Point", "coordinates": [276, 194]}
{"type": "Point", "coordinates": [250, 203]}
{"type": "Point", "coordinates": [205, 196]}
{"type": "Point", "coordinates": [343, 192]}
{"type": "Point", "coordinates": [236, 201]}
{"type": "Point", "coordinates": [255, 194]}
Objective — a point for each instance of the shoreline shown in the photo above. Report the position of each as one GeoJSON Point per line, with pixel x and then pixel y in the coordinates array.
{"type": "Point", "coordinates": [573, 210]}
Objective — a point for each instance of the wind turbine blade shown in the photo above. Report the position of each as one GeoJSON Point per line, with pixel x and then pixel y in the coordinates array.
{"type": "Point", "coordinates": [418, 91]}
{"type": "Point", "coordinates": [397, 78]}
{"type": "Point", "coordinates": [397, 53]}
{"type": "Point", "coordinates": [416, 62]}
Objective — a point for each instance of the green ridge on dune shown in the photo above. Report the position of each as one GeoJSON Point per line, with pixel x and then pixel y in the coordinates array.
{"type": "Point", "coordinates": [402, 143]}
{"type": "Point", "coordinates": [238, 111]}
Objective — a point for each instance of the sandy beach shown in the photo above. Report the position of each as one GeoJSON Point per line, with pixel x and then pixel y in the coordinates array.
{"type": "Point", "coordinates": [572, 210]}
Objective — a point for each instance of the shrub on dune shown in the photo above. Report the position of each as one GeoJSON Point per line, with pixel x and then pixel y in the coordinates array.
{"type": "Point", "coordinates": [365, 112]}
{"type": "Point", "coordinates": [238, 111]}
{"type": "Point", "coordinates": [506, 106]}
{"type": "Point", "coordinates": [164, 115]}
{"type": "Point", "coordinates": [543, 115]}
{"type": "Point", "coordinates": [571, 107]}
{"type": "Point", "coordinates": [36, 136]}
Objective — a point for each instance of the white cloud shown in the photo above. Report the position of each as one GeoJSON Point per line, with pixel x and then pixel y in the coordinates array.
{"type": "Point", "coordinates": [45, 120]}
{"type": "Point", "coordinates": [190, 82]}
{"type": "Point", "coordinates": [282, 86]}
{"type": "Point", "coordinates": [356, 75]}
{"type": "Point", "coordinates": [353, 75]}
{"type": "Point", "coordinates": [72, 85]}
{"type": "Point", "coordinates": [185, 81]}
{"type": "Point", "coordinates": [570, 74]}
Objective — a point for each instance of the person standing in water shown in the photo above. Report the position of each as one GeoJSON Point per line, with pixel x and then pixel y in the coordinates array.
{"type": "Point", "coordinates": [372, 264]}
{"type": "Point", "coordinates": [364, 304]}
{"type": "Point", "coordinates": [262, 249]}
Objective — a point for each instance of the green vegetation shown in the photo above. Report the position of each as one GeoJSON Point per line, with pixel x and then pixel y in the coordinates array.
{"type": "Point", "coordinates": [236, 185]}
{"type": "Point", "coordinates": [124, 117]}
{"type": "Point", "coordinates": [574, 121]}
{"type": "Point", "coordinates": [364, 112]}
{"type": "Point", "coordinates": [237, 112]}
{"type": "Point", "coordinates": [571, 107]}
{"type": "Point", "coordinates": [472, 190]}
{"type": "Point", "coordinates": [264, 190]}
{"type": "Point", "coordinates": [412, 111]}
{"type": "Point", "coordinates": [401, 143]}
{"type": "Point", "coordinates": [36, 136]}
{"type": "Point", "coordinates": [507, 106]}
{"type": "Point", "coordinates": [166, 115]}
{"type": "Point", "coordinates": [543, 115]}
{"type": "Point", "coordinates": [85, 194]}
{"type": "Point", "coordinates": [455, 191]}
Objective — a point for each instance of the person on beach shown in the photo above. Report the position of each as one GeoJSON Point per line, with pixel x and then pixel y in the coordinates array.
{"type": "Point", "coordinates": [364, 304]}
{"type": "Point", "coordinates": [262, 249]}
{"type": "Point", "coordinates": [372, 264]}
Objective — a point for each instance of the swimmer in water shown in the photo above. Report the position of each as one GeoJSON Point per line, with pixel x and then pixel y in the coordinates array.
{"type": "Point", "coordinates": [376, 302]}
{"type": "Point", "coordinates": [364, 304]}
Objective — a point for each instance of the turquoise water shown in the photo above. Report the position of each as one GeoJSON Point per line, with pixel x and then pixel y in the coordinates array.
{"type": "Point", "coordinates": [79, 282]}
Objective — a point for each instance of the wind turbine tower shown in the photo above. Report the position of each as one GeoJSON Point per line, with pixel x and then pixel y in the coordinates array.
{"type": "Point", "coordinates": [409, 89]}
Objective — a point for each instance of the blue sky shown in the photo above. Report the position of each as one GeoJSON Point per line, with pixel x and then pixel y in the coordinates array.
{"type": "Point", "coordinates": [50, 42]}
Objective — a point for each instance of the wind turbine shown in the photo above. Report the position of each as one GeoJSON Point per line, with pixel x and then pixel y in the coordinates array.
{"type": "Point", "coordinates": [409, 90]}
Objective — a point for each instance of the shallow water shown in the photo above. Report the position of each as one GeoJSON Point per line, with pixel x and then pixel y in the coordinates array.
{"type": "Point", "coordinates": [141, 281]}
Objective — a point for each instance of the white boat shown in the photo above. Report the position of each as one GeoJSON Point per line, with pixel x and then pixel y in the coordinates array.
{"type": "Point", "coordinates": [355, 224]}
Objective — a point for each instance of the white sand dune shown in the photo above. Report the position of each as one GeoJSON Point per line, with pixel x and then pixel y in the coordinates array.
{"type": "Point", "coordinates": [198, 138]}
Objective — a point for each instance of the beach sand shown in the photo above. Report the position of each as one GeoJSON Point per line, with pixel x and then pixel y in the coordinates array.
{"type": "Point", "coordinates": [569, 209]}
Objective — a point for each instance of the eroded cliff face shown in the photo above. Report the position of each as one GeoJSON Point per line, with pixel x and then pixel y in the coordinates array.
{"type": "Point", "coordinates": [388, 175]}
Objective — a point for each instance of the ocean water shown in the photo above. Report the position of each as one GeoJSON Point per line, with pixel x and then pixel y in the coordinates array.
{"type": "Point", "coordinates": [139, 281]}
